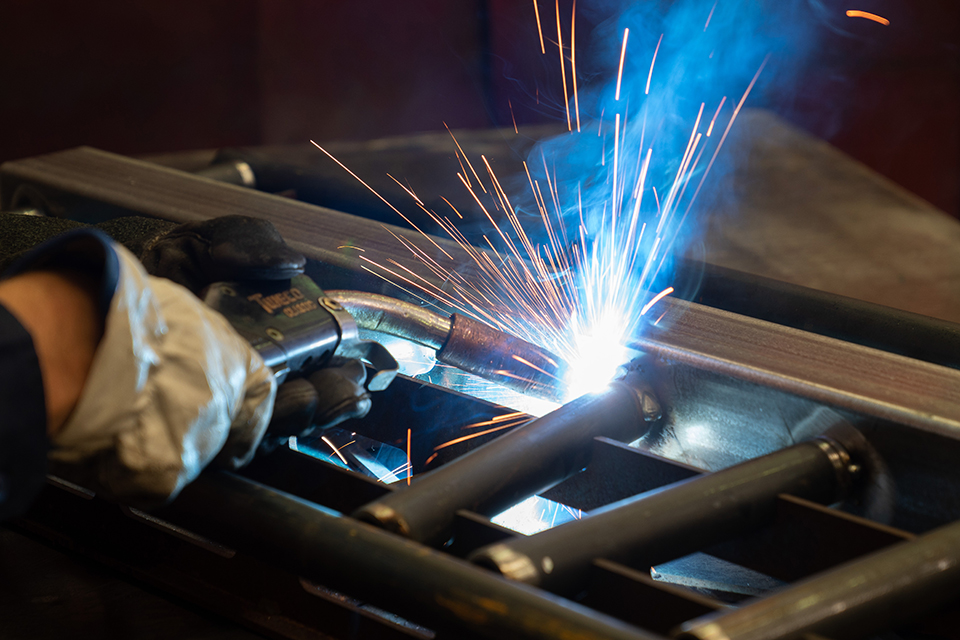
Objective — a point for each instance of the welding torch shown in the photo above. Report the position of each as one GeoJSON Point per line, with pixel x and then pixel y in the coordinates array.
{"type": "Point", "coordinates": [296, 327]}
{"type": "Point", "coordinates": [461, 342]}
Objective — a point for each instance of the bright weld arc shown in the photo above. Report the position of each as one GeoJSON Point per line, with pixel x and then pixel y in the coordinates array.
{"type": "Point", "coordinates": [548, 309]}
{"type": "Point", "coordinates": [854, 13]}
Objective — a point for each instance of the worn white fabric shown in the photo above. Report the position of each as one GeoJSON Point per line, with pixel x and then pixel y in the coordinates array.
{"type": "Point", "coordinates": [172, 388]}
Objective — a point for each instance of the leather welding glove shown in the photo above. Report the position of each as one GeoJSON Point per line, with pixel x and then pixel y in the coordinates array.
{"type": "Point", "coordinates": [227, 249]}
{"type": "Point", "coordinates": [172, 388]}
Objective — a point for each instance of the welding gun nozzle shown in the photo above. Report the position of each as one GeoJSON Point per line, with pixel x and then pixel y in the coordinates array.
{"type": "Point", "coordinates": [503, 358]}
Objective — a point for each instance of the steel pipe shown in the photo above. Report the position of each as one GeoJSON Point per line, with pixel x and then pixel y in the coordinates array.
{"type": "Point", "coordinates": [680, 518]}
{"type": "Point", "coordinates": [857, 599]}
{"type": "Point", "coordinates": [461, 342]}
{"type": "Point", "coordinates": [515, 466]}
{"type": "Point", "coordinates": [424, 585]}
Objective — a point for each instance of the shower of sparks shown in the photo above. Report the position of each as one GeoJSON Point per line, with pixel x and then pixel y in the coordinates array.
{"type": "Point", "coordinates": [581, 292]}
{"type": "Point", "coordinates": [853, 13]}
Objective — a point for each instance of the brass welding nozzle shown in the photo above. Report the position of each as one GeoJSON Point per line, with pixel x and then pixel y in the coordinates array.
{"type": "Point", "coordinates": [502, 358]}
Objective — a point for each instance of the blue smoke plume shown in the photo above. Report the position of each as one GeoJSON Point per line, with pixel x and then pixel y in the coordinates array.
{"type": "Point", "coordinates": [629, 183]}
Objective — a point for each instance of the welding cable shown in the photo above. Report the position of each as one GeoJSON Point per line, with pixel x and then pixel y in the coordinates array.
{"type": "Point", "coordinates": [683, 517]}
{"type": "Point", "coordinates": [461, 342]}
{"type": "Point", "coordinates": [517, 465]}
{"type": "Point", "coordinates": [859, 598]}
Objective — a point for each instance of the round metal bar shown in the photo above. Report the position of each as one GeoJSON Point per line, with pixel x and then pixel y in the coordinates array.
{"type": "Point", "coordinates": [515, 466]}
{"type": "Point", "coordinates": [680, 518]}
{"type": "Point", "coordinates": [424, 585]}
{"type": "Point", "coordinates": [858, 598]}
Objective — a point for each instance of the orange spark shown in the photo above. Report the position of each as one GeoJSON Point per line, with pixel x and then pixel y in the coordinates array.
{"type": "Point", "coordinates": [496, 419]}
{"type": "Point", "coordinates": [512, 117]}
{"type": "Point", "coordinates": [657, 298]}
{"type": "Point", "coordinates": [563, 69]}
{"type": "Point", "coordinates": [536, 12]}
{"type": "Point", "coordinates": [409, 464]}
{"type": "Point", "coordinates": [652, 62]}
{"type": "Point", "coordinates": [384, 200]}
{"type": "Point", "coordinates": [350, 246]}
{"type": "Point", "coordinates": [712, 9]}
{"type": "Point", "coordinates": [573, 61]}
{"type": "Point", "coordinates": [533, 366]}
{"type": "Point", "coordinates": [476, 435]}
{"type": "Point", "coordinates": [336, 450]}
{"type": "Point", "coordinates": [853, 13]}
{"type": "Point", "coordinates": [623, 54]}
{"type": "Point", "coordinates": [433, 456]}
{"type": "Point", "coordinates": [710, 128]}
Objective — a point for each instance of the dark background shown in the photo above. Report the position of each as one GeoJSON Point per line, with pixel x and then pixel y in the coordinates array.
{"type": "Point", "coordinates": [146, 76]}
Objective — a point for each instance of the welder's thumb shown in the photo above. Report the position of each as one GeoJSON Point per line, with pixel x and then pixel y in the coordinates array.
{"type": "Point", "coordinates": [230, 248]}
{"type": "Point", "coordinates": [172, 388]}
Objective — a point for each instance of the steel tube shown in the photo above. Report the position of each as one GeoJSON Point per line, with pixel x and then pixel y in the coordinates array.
{"type": "Point", "coordinates": [515, 466]}
{"type": "Point", "coordinates": [857, 599]}
{"type": "Point", "coordinates": [414, 581]}
{"type": "Point", "coordinates": [680, 518]}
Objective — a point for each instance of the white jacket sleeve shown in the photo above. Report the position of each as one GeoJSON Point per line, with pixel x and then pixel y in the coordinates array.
{"type": "Point", "coordinates": [172, 388]}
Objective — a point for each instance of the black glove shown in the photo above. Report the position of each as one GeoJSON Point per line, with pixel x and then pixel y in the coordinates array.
{"type": "Point", "coordinates": [325, 398]}
{"type": "Point", "coordinates": [231, 248]}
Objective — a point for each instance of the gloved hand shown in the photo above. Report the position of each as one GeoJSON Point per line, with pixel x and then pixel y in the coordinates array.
{"type": "Point", "coordinates": [238, 248]}
{"type": "Point", "coordinates": [323, 399]}
{"type": "Point", "coordinates": [172, 388]}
